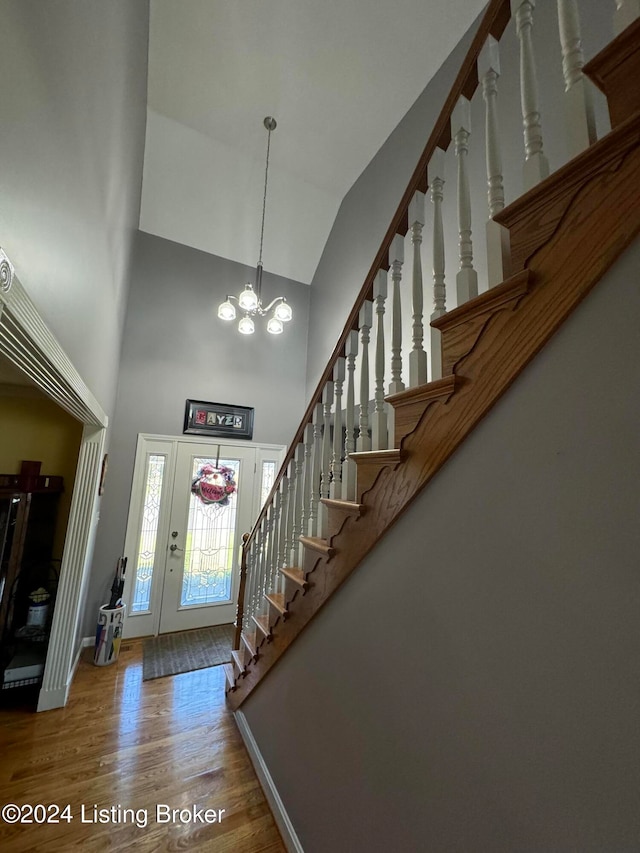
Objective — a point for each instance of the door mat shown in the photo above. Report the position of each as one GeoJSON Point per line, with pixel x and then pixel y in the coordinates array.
{"type": "Point", "coordinates": [170, 654]}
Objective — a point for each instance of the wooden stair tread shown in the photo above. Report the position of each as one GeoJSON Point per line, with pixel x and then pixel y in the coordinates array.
{"type": "Point", "coordinates": [296, 575]}
{"type": "Point", "coordinates": [230, 676]}
{"type": "Point", "coordinates": [462, 327]}
{"type": "Point", "coordinates": [348, 507]}
{"type": "Point", "coordinates": [315, 543]}
{"type": "Point", "coordinates": [370, 463]}
{"type": "Point", "coordinates": [435, 390]}
{"type": "Point", "coordinates": [534, 217]}
{"type": "Point", "coordinates": [263, 625]}
{"type": "Point", "coordinates": [615, 71]}
{"type": "Point", "coordinates": [250, 642]}
{"type": "Point", "coordinates": [486, 303]}
{"type": "Point", "coordinates": [238, 656]}
{"type": "Point", "coordinates": [410, 405]}
{"type": "Point", "coordinates": [278, 601]}
{"type": "Point", "coordinates": [378, 457]}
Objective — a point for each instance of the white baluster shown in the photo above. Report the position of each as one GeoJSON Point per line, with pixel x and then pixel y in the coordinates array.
{"type": "Point", "coordinates": [417, 356]}
{"type": "Point", "coordinates": [251, 586]}
{"type": "Point", "coordinates": [626, 13]}
{"type": "Point", "coordinates": [274, 540]}
{"type": "Point", "coordinates": [396, 259]}
{"type": "Point", "coordinates": [379, 427]}
{"type": "Point", "coordinates": [325, 474]}
{"type": "Point", "coordinates": [536, 166]}
{"type": "Point", "coordinates": [299, 501]}
{"type": "Point", "coordinates": [284, 516]}
{"type": "Point", "coordinates": [435, 176]}
{"type": "Point", "coordinates": [365, 319]}
{"type": "Point", "coordinates": [498, 252]}
{"type": "Point", "coordinates": [291, 509]}
{"type": "Point", "coordinates": [307, 489]}
{"type": "Point", "coordinates": [467, 277]}
{"type": "Point", "coordinates": [266, 549]}
{"type": "Point", "coordinates": [316, 466]}
{"type": "Point", "coordinates": [580, 118]}
{"type": "Point", "coordinates": [335, 487]}
{"type": "Point", "coordinates": [349, 466]}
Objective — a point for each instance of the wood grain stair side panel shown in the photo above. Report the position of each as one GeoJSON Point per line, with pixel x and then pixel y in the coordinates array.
{"type": "Point", "coordinates": [295, 583]}
{"type": "Point", "coordinates": [338, 512]}
{"type": "Point", "coordinates": [535, 217]}
{"type": "Point", "coordinates": [369, 465]}
{"type": "Point", "coordinates": [462, 327]}
{"type": "Point", "coordinates": [410, 405]}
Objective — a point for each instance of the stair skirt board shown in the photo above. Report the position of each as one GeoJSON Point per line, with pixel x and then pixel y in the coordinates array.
{"type": "Point", "coordinates": [291, 840]}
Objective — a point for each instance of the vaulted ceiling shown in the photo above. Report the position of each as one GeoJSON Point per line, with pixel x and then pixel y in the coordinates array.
{"type": "Point", "coordinates": [338, 77]}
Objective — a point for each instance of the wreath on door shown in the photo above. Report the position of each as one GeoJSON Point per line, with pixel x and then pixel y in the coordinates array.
{"type": "Point", "coordinates": [214, 484]}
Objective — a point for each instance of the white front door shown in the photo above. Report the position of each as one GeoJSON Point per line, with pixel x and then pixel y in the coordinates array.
{"type": "Point", "coordinates": [192, 500]}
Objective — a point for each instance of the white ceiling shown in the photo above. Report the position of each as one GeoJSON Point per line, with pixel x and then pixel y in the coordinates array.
{"type": "Point", "coordinates": [338, 77]}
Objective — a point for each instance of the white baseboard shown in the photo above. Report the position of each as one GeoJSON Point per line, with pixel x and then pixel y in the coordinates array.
{"type": "Point", "coordinates": [292, 843]}
{"type": "Point", "coordinates": [50, 699]}
{"type": "Point", "coordinates": [88, 641]}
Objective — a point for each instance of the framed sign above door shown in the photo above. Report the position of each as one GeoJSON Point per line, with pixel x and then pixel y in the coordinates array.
{"type": "Point", "coordinates": [218, 420]}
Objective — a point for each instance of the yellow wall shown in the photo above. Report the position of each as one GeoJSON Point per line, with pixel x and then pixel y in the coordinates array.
{"type": "Point", "coordinates": [35, 428]}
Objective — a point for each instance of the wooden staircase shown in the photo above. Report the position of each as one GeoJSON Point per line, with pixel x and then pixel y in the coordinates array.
{"type": "Point", "coordinates": [564, 235]}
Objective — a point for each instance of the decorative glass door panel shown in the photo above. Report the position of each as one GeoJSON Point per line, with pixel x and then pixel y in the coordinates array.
{"type": "Point", "coordinates": [145, 557]}
{"type": "Point", "coordinates": [212, 506]}
{"type": "Point", "coordinates": [211, 537]}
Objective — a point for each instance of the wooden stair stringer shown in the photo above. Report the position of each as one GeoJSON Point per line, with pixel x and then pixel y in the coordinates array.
{"type": "Point", "coordinates": [371, 464]}
{"type": "Point", "coordinates": [338, 512]}
{"type": "Point", "coordinates": [410, 405]}
{"type": "Point", "coordinates": [598, 223]}
{"type": "Point", "coordinates": [534, 218]}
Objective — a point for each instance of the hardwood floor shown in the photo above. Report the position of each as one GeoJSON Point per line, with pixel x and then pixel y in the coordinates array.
{"type": "Point", "coordinates": [129, 744]}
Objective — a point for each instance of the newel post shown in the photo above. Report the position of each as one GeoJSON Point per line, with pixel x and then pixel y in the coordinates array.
{"type": "Point", "coordinates": [241, 592]}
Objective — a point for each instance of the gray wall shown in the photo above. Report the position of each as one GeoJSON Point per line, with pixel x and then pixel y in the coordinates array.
{"type": "Point", "coordinates": [73, 113]}
{"type": "Point", "coordinates": [175, 348]}
{"type": "Point", "coordinates": [482, 692]}
{"type": "Point", "coordinates": [368, 207]}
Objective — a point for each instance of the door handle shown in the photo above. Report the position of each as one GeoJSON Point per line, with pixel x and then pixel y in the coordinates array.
{"type": "Point", "coordinates": [174, 548]}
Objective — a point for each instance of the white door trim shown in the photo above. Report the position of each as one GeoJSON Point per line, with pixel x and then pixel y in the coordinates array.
{"type": "Point", "coordinates": [27, 342]}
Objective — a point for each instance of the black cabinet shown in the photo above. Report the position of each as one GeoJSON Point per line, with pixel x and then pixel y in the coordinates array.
{"type": "Point", "coordinates": [28, 512]}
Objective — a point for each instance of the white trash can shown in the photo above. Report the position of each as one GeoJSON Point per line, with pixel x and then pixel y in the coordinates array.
{"type": "Point", "coordinates": [109, 634]}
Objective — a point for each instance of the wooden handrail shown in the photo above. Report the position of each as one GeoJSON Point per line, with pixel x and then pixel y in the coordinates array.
{"type": "Point", "coordinates": [494, 21]}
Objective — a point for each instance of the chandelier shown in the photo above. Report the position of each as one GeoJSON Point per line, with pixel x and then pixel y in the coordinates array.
{"type": "Point", "coordinates": [278, 311]}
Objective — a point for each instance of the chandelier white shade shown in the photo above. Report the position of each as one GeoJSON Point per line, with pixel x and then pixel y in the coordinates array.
{"type": "Point", "coordinates": [278, 311]}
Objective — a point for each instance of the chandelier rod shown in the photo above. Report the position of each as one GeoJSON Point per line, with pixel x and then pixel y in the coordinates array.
{"type": "Point", "coordinates": [270, 124]}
